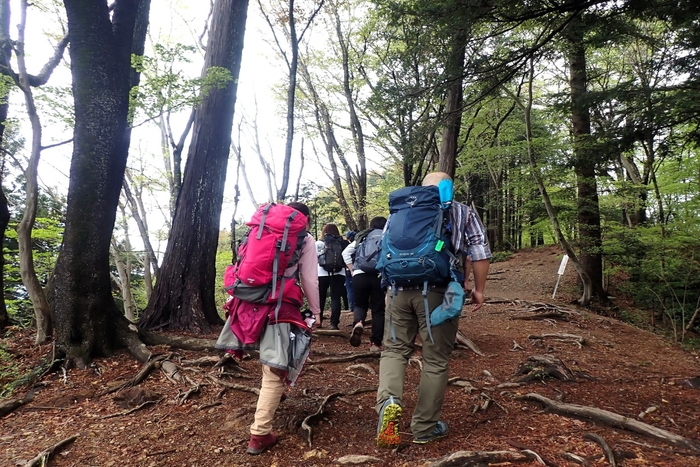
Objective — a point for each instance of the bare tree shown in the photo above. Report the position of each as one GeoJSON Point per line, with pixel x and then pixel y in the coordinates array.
{"type": "Point", "coordinates": [292, 62]}
{"type": "Point", "coordinates": [42, 310]}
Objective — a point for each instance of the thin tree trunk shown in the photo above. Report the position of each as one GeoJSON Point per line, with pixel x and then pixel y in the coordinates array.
{"type": "Point", "coordinates": [42, 311]}
{"type": "Point", "coordinates": [358, 137]}
{"type": "Point", "coordinates": [527, 111]}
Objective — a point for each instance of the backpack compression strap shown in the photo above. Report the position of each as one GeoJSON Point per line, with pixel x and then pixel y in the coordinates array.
{"type": "Point", "coordinates": [275, 264]}
{"type": "Point", "coordinates": [262, 221]}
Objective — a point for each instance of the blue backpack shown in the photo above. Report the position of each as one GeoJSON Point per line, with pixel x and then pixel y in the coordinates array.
{"type": "Point", "coordinates": [416, 243]}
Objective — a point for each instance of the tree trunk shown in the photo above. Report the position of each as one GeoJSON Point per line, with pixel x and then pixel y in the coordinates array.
{"type": "Point", "coordinates": [355, 127]}
{"type": "Point", "coordinates": [6, 49]}
{"type": "Point", "coordinates": [183, 298]}
{"type": "Point", "coordinates": [4, 220]}
{"type": "Point", "coordinates": [42, 311]}
{"type": "Point", "coordinates": [88, 322]}
{"type": "Point", "coordinates": [584, 160]}
{"type": "Point", "coordinates": [453, 104]}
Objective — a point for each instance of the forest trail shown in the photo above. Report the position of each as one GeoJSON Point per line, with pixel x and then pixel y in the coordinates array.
{"type": "Point", "coordinates": [204, 420]}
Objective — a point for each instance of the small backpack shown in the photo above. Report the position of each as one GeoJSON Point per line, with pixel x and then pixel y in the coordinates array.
{"type": "Point", "coordinates": [332, 257]}
{"type": "Point", "coordinates": [367, 253]}
{"type": "Point", "coordinates": [271, 245]}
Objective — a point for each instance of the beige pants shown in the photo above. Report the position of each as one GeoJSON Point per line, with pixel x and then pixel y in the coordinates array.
{"type": "Point", "coordinates": [271, 392]}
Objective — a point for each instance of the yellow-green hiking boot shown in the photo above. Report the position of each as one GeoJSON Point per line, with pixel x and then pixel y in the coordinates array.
{"type": "Point", "coordinates": [388, 427]}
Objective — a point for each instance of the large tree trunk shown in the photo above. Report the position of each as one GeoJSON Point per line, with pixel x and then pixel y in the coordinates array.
{"type": "Point", "coordinates": [584, 160]}
{"type": "Point", "coordinates": [87, 321]}
{"type": "Point", "coordinates": [183, 298]}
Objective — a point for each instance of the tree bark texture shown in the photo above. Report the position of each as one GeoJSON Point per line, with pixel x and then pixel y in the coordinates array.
{"type": "Point", "coordinates": [584, 161]}
{"type": "Point", "coordinates": [183, 298]}
{"type": "Point", "coordinates": [42, 311]}
{"type": "Point", "coordinates": [86, 318]}
{"type": "Point", "coordinates": [453, 104]}
{"type": "Point", "coordinates": [6, 49]}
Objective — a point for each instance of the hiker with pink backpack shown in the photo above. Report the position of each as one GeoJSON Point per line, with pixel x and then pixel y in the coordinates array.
{"type": "Point", "coordinates": [275, 269]}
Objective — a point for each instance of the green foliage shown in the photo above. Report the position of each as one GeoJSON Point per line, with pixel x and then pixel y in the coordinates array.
{"type": "Point", "coordinates": [9, 371]}
{"type": "Point", "coordinates": [501, 256]}
{"type": "Point", "coordinates": [46, 242]}
{"type": "Point", "coordinates": [164, 86]}
{"type": "Point", "coordinates": [661, 272]}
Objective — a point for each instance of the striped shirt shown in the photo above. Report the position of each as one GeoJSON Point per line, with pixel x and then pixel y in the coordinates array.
{"type": "Point", "coordinates": [468, 233]}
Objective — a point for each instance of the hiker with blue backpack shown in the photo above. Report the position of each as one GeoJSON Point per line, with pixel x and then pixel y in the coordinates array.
{"type": "Point", "coordinates": [331, 271]}
{"type": "Point", "coordinates": [275, 269]}
{"type": "Point", "coordinates": [366, 283]}
{"type": "Point", "coordinates": [424, 248]}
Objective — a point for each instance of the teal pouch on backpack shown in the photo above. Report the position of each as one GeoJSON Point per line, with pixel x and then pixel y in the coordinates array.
{"type": "Point", "coordinates": [451, 306]}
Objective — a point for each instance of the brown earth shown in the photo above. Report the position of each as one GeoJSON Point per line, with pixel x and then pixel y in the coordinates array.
{"type": "Point", "coordinates": [629, 371]}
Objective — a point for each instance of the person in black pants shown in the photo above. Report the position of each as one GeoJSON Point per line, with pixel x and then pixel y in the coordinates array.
{"type": "Point", "coordinates": [366, 285]}
{"type": "Point", "coordinates": [333, 280]}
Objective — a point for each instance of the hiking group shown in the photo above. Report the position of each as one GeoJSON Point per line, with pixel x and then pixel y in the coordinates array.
{"type": "Point", "coordinates": [410, 269]}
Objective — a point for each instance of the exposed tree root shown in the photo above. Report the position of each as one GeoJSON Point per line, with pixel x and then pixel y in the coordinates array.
{"type": "Point", "coordinates": [613, 420]}
{"type": "Point", "coordinates": [465, 341]}
{"type": "Point", "coordinates": [561, 337]}
{"type": "Point", "coordinates": [362, 366]}
{"type": "Point", "coordinates": [179, 342]}
{"type": "Point", "coordinates": [237, 387]}
{"type": "Point", "coordinates": [330, 332]}
{"type": "Point", "coordinates": [140, 376]}
{"type": "Point", "coordinates": [547, 315]}
{"type": "Point", "coordinates": [609, 454]}
{"type": "Point", "coordinates": [130, 411]}
{"type": "Point", "coordinates": [538, 367]}
{"type": "Point", "coordinates": [576, 458]}
{"type": "Point", "coordinates": [345, 358]}
{"type": "Point", "coordinates": [479, 458]}
{"type": "Point", "coordinates": [306, 423]}
{"type": "Point", "coordinates": [11, 405]}
{"type": "Point", "coordinates": [203, 361]}
{"type": "Point", "coordinates": [43, 457]}
{"type": "Point", "coordinates": [541, 310]}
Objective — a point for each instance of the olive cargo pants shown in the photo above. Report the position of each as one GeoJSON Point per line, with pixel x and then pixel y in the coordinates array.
{"type": "Point", "coordinates": [406, 313]}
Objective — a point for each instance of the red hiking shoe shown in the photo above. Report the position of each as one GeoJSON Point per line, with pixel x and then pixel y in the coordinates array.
{"type": "Point", "coordinates": [259, 443]}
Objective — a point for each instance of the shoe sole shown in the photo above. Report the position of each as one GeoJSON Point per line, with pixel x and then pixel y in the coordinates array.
{"type": "Point", "coordinates": [388, 436]}
{"type": "Point", "coordinates": [428, 440]}
{"type": "Point", "coordinates": [356, 336]}
{"type": "Point", "coordinates": [255, 452]}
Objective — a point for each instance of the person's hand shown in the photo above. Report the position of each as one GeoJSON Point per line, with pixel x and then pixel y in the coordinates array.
{"type": "Point", "coordinates": [317, 322]}
{"type": "Point", "coordinates": [477, 300]}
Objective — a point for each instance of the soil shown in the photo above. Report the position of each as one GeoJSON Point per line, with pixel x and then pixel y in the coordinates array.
{"type": "Point", "coordinates": [618, 368]}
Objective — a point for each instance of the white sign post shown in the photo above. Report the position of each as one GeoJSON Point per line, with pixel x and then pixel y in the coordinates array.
{"type": "Point", "coordinates": [562, 268]}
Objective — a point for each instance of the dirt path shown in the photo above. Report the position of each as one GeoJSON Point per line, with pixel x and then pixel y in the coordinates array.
{"type": "Point", "coordinates": [620, 369]}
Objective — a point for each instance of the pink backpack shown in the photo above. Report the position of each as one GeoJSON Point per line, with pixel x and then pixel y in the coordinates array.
{"type": "Point", "coordinates": [273, 244]}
